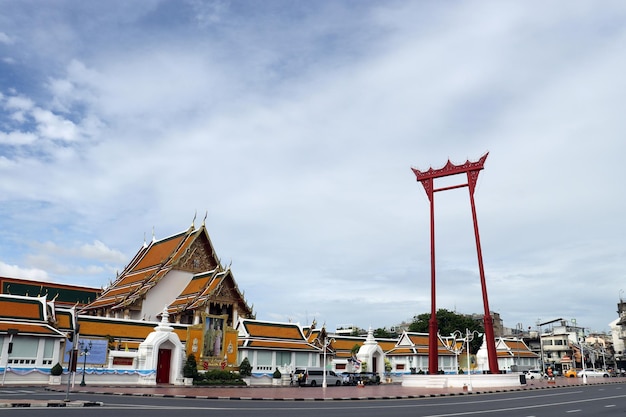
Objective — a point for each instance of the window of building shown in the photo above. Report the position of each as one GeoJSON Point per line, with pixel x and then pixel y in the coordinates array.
{"type": "Point", "coordinates": [283, 358]}
{"type": "Point", "coordinates": [48, 351]}
{"type": "Point", "coordinates": [264, 360]}
{"type": "Point", "coordinates": [24, 351]}
{"type": "Point", "coordinates": [302, 359]}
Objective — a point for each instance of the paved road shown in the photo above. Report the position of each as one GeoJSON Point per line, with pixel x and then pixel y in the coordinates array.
{"type": "Point", "coordinates": [605, 399]}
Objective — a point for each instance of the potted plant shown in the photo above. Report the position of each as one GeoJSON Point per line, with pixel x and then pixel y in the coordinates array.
{"type": "Point", "coordinates": [245, 370]}
{"type": "Point", "coordinates": [190, 369]}
{"type": "Point", "coordinates": [55, 374]}
{"type": "Point", "coordinates": [388, 368]}
{"type": "Point", "coordinates": [276, 378]}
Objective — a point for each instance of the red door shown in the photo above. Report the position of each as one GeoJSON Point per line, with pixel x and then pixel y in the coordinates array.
{"type": "Point", "coordinates": [163, 366]}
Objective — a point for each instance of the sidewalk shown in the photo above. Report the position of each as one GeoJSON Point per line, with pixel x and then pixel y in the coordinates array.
{"type": "Point", "coordinates": [369, 392]}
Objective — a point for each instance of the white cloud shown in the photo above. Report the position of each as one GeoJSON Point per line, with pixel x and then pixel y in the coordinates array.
{"type": "Point", "coordinates": [20, 103]}
{"type": "Point", "coordinates": [92, 251]}
{"type": "Point", "coordinates": [17, 138]}
{"type": "Point", "coordinates": [53, 126]}
{"type": "Point", "coordinates": [6, 39]}
{"type": "Point", "coordinates": [15, 271]}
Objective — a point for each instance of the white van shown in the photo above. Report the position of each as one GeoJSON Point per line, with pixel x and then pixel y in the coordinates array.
{"type": "Point", "coordinates": [315, 377]}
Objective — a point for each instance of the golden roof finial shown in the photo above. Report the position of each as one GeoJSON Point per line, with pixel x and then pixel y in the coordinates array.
{"type": "Point", "coordinates": [193, 222]}
{"type": "Point", "coordinates": [206, 213]}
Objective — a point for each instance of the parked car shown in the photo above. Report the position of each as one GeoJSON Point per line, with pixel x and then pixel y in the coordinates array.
{"type": "Point", "coordinates": [365, 378]}
{"type": "Point", "coordinates": [315, 377]}
{"type": "Point", "coordinates": [570, 373]}
{"type": "Point", "coordinates": [533, 373]}
{"type": "Point", "coordinates": [594, 373]}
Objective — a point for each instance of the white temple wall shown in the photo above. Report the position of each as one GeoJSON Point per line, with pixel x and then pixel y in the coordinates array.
{"type": "Point", "coordinates": [164, 293]}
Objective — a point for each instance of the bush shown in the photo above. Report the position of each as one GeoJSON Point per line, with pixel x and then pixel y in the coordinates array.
{"type": "Point", "coordinates": [219, 377]}
{"type": "Point", "coordinates": [245, 369]}
{"type": "Point", "coordinates": [190, 369]}
{"type": "Point", "coordinates": [56, 370]}
{"type": "Point", "coordinates": [276, 374]}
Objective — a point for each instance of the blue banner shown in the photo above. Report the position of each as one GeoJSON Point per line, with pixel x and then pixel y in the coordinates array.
{"type": "Point", "coordinates": [95, 349]}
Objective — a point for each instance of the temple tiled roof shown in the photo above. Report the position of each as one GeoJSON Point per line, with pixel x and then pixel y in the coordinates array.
{"type": "Point", "coordinates": [190, 251]}
{"type": "Point", "coordinates": [64, 295]}
{"type": "Point", "coordinates": [30, 329]}
{"type": "Point", "coordinates": [271, 335]}
{"type": "Point", "coordinates": [28, 316]}
{"type": "Point", "coordinates": [513, 347]}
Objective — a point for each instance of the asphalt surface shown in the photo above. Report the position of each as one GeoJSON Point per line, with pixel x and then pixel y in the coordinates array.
{"type": "Point", "coordinates": [369, 392]}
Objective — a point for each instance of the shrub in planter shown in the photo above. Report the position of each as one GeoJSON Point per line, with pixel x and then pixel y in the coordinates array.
{"type": "Point", "coordinates": [190, 369]}
{"type": "Point", "coordinates": [219, 377]}
{"type": "Point", "coordinates": [56, 370]}
{"type": "Point", "coordinates": [276, 374]}
{"type": "Point", "coordinates": [245, 369]}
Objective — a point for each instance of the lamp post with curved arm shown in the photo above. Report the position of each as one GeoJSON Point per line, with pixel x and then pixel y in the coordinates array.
{"type": "Point", "coordinates": [451, 343]}
{"type": "Point", "coordinates": [84, 351]}
{"type": "Point", "coordinates": [469, 336]}
{"type": "Point", "coordinates": [327, 341]}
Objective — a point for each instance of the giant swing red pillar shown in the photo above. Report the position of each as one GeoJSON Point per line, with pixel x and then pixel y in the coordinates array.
{"type": "Point", "coordinates": [427, 179]}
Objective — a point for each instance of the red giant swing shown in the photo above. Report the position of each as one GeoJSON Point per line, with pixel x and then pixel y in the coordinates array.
{"type": "Point", "coordinates": [427, 179]}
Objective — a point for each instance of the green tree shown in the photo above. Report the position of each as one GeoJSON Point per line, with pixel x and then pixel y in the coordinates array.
{"type": "Point", "coordinates": [448, 322]}
{"type": "Point", "coordinates": [355, 350]}
{"type": "Point", "coordinates": [384, 333]}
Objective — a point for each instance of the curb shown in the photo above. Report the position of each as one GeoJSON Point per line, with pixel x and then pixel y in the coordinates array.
{"type": "Point", "coordinates": [46, 404]}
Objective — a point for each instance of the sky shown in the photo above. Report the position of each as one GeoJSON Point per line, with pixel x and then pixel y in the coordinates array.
{"type": "Point", "coordinates": [293, 127]}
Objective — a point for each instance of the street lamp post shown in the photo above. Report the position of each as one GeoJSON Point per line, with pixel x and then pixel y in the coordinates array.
{"type": "Point", "coordinates": [541, 342]}
{"type": "Point", "coordinates": [84, 348]}
{"type": "Point", "coordinates": [469, 336]}
{"type": "Point", "coordinates": [326, 342]}
{"type": "Point", "coordinates": [450, 343]}
{"type": "Point", "coordinates": [582, 355]}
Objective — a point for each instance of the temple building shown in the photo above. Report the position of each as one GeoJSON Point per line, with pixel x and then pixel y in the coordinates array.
{"type": "Point", "coordinates": [181, 272]}
{"type": "Point", "coordinates": [175, 299]}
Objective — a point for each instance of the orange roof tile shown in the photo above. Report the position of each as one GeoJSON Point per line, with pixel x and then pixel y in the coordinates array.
{"type": "Point", "coordinates": [160, 251]}
{"type": "Point", "coordinates": [273, 344]}
{"type": "Point", "coordinates": [401, 351]}
{"type": "Point", "coordinates": [30, 329]}
{"type": "Point", "coordinates": [197, 284]}
{"type": "Point", "coordinates": [19, 308]}
{"type": "Point", "coordinates": [273, 330]}
{"type": "Point", "coordinates": [135, 277]}
{"type": "Point", "coordinates": [121, 290]}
